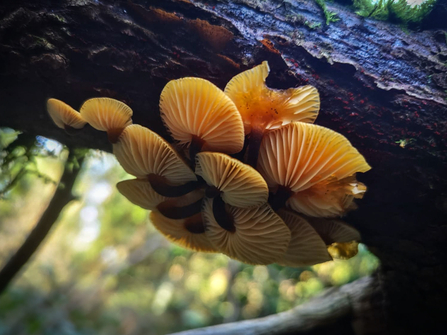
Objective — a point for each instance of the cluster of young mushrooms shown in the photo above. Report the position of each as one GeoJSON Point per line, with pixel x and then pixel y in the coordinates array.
{"type": "Point", "coordinates": [247, 207]}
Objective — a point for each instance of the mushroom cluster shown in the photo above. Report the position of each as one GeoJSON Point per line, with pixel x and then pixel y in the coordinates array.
{"type": "Point", "coordinates": [250, 175]}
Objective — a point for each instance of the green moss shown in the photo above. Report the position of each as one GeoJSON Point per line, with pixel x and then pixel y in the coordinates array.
{"type": "Point", "coordinates": [330, 16]}
{"type": "Point", "coordinates": [393, 10]}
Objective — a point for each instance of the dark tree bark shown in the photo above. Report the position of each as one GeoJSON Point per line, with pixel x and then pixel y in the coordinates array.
{"type": "Point", "coordinates": [381, 86]}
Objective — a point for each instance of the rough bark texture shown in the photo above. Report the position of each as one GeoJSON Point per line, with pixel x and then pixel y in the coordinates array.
{"type": "Point", "coordinates": [380, 86]}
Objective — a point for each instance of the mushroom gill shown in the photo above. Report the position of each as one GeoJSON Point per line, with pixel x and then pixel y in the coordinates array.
{"type": "Point", "coordinates": [259, 236]}
{"type": "Point", "coordinates": [140, 193]}
{"type": "Point", "coordinates": [108, 115]}
{"type": "Point", "coordinates": [64, 116]}
{"type": "Point", "coordinates": [146, 155]}
{"type": "Point", "coordinates": [298, 156]}
{"type": "Point", "coordinates": [201, 117]}
{"type": "Point", "coordinates": [263, 108]}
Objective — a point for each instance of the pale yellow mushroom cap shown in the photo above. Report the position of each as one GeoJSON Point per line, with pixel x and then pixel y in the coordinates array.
{"type": "Point", "coordinates": [108, 115]}
{"type": "Point", "coordinates": [260, 235]}
{"type": "Point", "coordinates": [268, 108]}
{"type": "Point", "coordinates": [140, 193]}
{"type": "Point", "coordinates": [240, 184]}
{"type": "Point", "coordinates": [141, 152]}
{"type": "Point", "coordinates": [195, 107]}
{"type": "Point", "coordinates": [329, 198]}
{"type": "Point", "coordinates": [306, 247]}
{"type": "Point", "coordinates": [63, 115]}
{"type": "Point", "coordinates": [185, 232]}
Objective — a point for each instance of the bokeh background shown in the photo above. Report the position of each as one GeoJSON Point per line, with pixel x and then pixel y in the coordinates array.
{"type": "Point", "coordinates": [104, 269]}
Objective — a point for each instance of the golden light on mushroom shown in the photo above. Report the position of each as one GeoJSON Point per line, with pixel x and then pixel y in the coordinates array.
{"type": "Point", "coordinates": [259, 235]}
{"type": "Point", "coordinates": [108, 115]}
{"type": "Point", "coordinates": [200, 116]}
{"type": "Point", "coordinates": [144, 154]}
{"type": "Point", "coordinates": [342, 239]}
{"type": "Point", "coordinates": [299, 156]}
{"type": "Point", "coordinates": [140, 193]}
{"type": "Point", "coordinates": [188, 233]}
{"type": "Point", "coordinates": [64, 116]}
{"type": "Point", "coordinates": [263, 108]}
{"type": "Point", "coordinates": [306, 247]}
{"type": "Point", "coordinates": [238, 184]}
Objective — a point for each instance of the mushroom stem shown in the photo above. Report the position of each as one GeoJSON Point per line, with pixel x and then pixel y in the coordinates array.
{"type": "Point", "coordinates": [221, 215]}
{"type": "Point", "coordinates": [256, 135]}
{"type": "Point", "coordinates": [160, 185]}
{"type": "Point", "coordinates": [278, 200]}
{"type": "Point", "coordinates": [177, 213]}
{"type": "Point", "coordinates": [114, 134]}
{"type": "Point", "coordinates": [194, 148]}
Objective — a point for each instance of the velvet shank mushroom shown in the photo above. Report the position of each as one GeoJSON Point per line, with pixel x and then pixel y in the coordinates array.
{"type": "Point", "coordinates": [64, 116]}
{"type": "Point", "coordinates": [306, 247]}
{"type": "Point", "coordinates": [108, 115]}
{"type": "Point", "coordinates": [259, 236]}
{"type": "Point", "coordinates": [145, 155]}
{"type": "Point", "coordinates": [201, 117]}
{"type": "Point", "coordinates": [263, 108]}
{"type": "Point", "coordinates": [302, 157]}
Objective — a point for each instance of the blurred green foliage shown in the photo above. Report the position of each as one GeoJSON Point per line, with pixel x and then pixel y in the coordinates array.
{"type": "Point", "coordinates": [106, 270]}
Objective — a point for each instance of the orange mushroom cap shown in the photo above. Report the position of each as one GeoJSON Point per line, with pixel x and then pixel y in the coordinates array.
{"type": "Point", "coordinates": [259, 237]}
{"type": "Point", "coordinates": [140, 193]}
{"type": "Point", "coordinates": [63, 115]}
{"type": "Point", "coordinates": [306, 246]}
{"type": "Point", "coordinates": [108, 115]}
{"type": "Point", "coordinates": [142, 152]}
{"type": "Point", "coordinates": [299, 156]}
{"type": "Point", "coordinates": [266, 108]}
{"type": "Point", "coordinates": [194, 108]}
{"type": "Point", "coordinates": [240, 184]}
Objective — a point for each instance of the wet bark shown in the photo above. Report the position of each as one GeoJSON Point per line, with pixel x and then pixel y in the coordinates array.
{"type": "Point", "coordinates": [381, 86]}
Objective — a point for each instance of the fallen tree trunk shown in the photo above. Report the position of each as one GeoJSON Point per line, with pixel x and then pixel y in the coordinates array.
{"type": "Point", "coordinates": [380, 86]}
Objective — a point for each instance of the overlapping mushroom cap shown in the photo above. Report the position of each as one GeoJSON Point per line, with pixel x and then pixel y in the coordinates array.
{"type": "Point", "coordinates": [299, 156]}
{"type": "Point", "coordinates": [259, 235]}
{"type": "Point", "coordinates": [140, 193]}
{"type": "Point", "coordinates": [195, 110]}
{"type": "Point", "coordinates": [63, 115]}
{"type": "Point", "coordinates": [266, 108]}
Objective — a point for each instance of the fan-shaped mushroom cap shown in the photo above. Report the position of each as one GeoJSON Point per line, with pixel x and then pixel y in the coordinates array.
{"type": "Point", "coordinates": [63, 115]}
{"type": "Point", "coordinates": [140, 193]}
{"type": "Point", "coordinates": [268, 108]}
{"type": "Point", "coordinates": [306, 247]}
{"type": "Point", "coordinates": [187, 233]}
{"type": "Point", "coordinates": [194, 107]}
{"type": "Point", "coordinates": [240, 184]}
{"type": "Point", "coordinates": [141, 152]}
{"type": "Point", "coordinates": [259, 237]}
{"type": "Point", "coordinates": [341, 238]}
{"type": "Point", "coordinates": [329, 198]}
{"type": "Point", "coordinates": [108, 115]}
{"type": "Point", "coordinates": [300, 155]}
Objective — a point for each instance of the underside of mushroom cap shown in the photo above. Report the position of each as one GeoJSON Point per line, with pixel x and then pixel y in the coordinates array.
{"type": "Point", "coordinates": [140, 193]}
{"type": "Point", "coordinates": [187, 233]}
{"type": "Point", "coordinates": [108, 115]}
{"type": "Point", "coordinates": [240, 185]}
{"type": "Point", "coordinates": [306, 247]}
{"type": "Point", "coordinates": [142, 152]}
{"type": "Point", "coordinates": [329, 198]}
{"type": "Point", "coordinates": [194, 107]}
{"type": "Point", "coordinates": [261, 106]}
{"type": "Point", "coordinates": [260, 235]}
{"type": "Point", "coordinates": [63, 115]}
{"type": "Point", "coordinates": [300, 155]}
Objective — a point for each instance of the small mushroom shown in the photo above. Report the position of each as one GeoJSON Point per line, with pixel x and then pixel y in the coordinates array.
{"type": "Point", "coordinates": [64, 116]}
{"type": "Point", "coordinates": [188, 233]}
{"type": "Point", "coordinates": [146, 155]}
{"type": "Point", "coordinates": [306, 247]}
{"type": "Point", "coordinates": [301, 156]}
{"type": "Point", "coordinates": [108, 115]}
{"type": "Point", "coordinates": [259, 236]}
{"type": "Point", "coordinates": [201, 117]}
{"type": "Point", "coordinates": [342, 239]}
{"type": "Point", "coordinates": [264, 109]}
